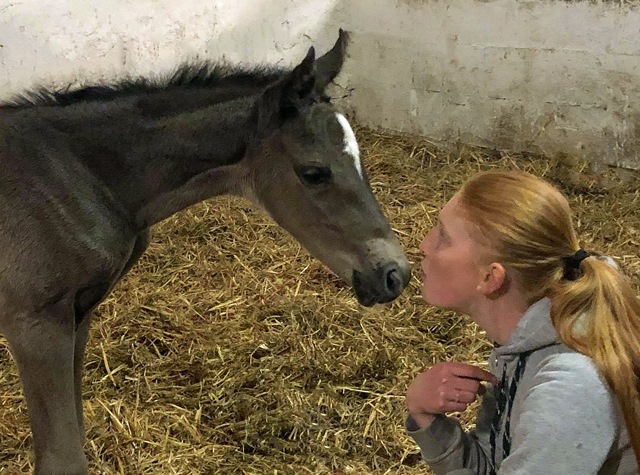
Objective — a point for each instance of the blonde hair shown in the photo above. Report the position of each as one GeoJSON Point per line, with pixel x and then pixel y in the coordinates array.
{"type": "Point", "coordinates": [525, 223]}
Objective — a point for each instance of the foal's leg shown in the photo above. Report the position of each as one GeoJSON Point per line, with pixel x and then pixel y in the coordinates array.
{"type": "Point", "coordinates": [81, 337]}
{"type": "Point", "coordinates": [43, 346]}
{"type": "Point", "coordinates": [84, 314]}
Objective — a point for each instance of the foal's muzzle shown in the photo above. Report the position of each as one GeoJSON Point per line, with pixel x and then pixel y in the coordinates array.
{"type": "Point", "coordinates": [384, 284]}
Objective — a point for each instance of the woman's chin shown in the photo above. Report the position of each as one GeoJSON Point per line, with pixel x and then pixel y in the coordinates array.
{"type": "Point", "coordinates": [431, 299]}
{"type": "Point", "coordinates": [425, 295]}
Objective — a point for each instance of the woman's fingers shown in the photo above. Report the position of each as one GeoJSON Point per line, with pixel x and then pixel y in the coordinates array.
{"type": "Point", "coordinates": [471, 385]}
{"type": "Point", "coordinates": [464, 370]}
{"type": "Point", "coordinates": [465, 384]}
{"type": "Point", "coordinates": [446, 387]}
{"type": "Point", "coordinates": [456, 407]}
{"type": "Point", "coordinates": [464, 397]}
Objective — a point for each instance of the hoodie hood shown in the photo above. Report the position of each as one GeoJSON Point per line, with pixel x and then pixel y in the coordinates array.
{"type": "Point", "coordinates": [534, 330]}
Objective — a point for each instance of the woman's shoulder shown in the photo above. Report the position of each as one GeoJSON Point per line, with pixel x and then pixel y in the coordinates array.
{"type": "Point", "coordinates": [567, 360]}
{"type": "Point", "coordinates": [569, 373]}
{"type": "Point", "coordinates": [566, 391]}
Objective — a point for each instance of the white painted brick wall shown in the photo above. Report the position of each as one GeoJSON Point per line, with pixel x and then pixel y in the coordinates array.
{"type": "Point", "coordinates": [513, 74]}
{"type": "Point", "coordinates": [59, 41]}
{"type": "Point", "coordinates": [544, 75]}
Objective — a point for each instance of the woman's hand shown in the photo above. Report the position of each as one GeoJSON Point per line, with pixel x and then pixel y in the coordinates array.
{"type": "Point", "coordinates": [446, 387]}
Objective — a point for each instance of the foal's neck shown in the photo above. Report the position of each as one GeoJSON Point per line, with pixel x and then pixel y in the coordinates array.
{"type": "Point", "coordinates": [157, 166]}
{"type": "Point", "coordinates": [192, 156]}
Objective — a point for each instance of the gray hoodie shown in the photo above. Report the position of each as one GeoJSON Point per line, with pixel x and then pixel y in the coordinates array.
{"type": "Point", "coordinates": [564, 420]}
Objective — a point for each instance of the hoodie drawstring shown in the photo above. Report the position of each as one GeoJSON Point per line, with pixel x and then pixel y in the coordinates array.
{"type": "Point", "coordinates": [504, 400]}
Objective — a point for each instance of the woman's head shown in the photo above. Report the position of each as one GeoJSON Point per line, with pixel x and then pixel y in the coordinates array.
{"type": "Point", "coordinates": [517, 229]}
{"type": "Point", "coordinates": [499, 230]}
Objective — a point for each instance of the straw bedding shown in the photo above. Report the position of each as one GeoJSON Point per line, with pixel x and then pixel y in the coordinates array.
{"type": "Point", "coordinates": [228, 349]}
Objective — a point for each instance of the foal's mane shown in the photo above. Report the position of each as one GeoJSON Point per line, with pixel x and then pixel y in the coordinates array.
{"type": "Point", "coordinates": [190, 75]}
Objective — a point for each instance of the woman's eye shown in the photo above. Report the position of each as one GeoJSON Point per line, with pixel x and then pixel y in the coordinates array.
{"type": "Point", "coordinates": [314, 176]}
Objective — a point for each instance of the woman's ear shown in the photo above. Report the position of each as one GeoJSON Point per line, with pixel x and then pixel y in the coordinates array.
{"type": "Point", "coordinates": [494, 279]}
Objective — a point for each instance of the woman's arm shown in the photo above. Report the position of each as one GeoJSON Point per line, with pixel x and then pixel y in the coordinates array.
{"type": "Point", "coordinates": [444, 444]}
{"type": "Point", "coordinates": [566, 425]}
{"type": "Point", "coordinates": [448, 448]}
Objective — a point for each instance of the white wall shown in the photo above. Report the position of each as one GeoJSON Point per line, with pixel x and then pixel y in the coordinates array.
{"type": "Point", "coordinates": [545, 75]}
{"type": "Point", "coordinates": [513, 74]}
{"type": "Point", "coordinates": [59, 41]}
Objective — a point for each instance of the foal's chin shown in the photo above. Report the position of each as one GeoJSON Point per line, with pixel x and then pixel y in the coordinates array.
{"type": "Point", "coordinates": [368, 298]}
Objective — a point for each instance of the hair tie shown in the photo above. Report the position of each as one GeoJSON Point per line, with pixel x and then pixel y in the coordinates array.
{"type": "Point", "coordinates": [572, 264]}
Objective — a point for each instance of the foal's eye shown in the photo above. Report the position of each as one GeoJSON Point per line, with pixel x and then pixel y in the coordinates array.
{"type": "Point", "coordinates": [314, 176]}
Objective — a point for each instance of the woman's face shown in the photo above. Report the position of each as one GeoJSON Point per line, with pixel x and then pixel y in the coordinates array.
{"type": "Point", "coordinates": [450, 275]}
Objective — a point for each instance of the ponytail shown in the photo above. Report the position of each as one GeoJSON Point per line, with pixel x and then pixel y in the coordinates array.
{"type": "Point", "coordinates": [598, 315]}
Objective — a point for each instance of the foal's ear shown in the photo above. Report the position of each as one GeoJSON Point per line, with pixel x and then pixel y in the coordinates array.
{"type": "Point", "coordinates": [300, 82]}
{"type": "Point", "coordinates": [283, 99]}
{"type": "Point", "coordinates": [330, 64]}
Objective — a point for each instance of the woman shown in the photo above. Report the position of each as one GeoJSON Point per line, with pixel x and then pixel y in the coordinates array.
{"type": "Point", "coordinates": [564, 388]}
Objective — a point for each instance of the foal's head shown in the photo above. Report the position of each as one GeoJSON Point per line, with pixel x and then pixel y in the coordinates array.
{"type": "Point", "coordinates": [307, 173]}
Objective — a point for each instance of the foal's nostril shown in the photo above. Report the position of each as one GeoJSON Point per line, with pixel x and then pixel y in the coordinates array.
{"type": "Point", "coordinates": [393, 281]}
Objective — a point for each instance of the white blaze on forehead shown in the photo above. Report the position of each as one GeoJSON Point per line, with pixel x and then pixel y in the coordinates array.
{"type": "Point", "coordinates": [350, 143]}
